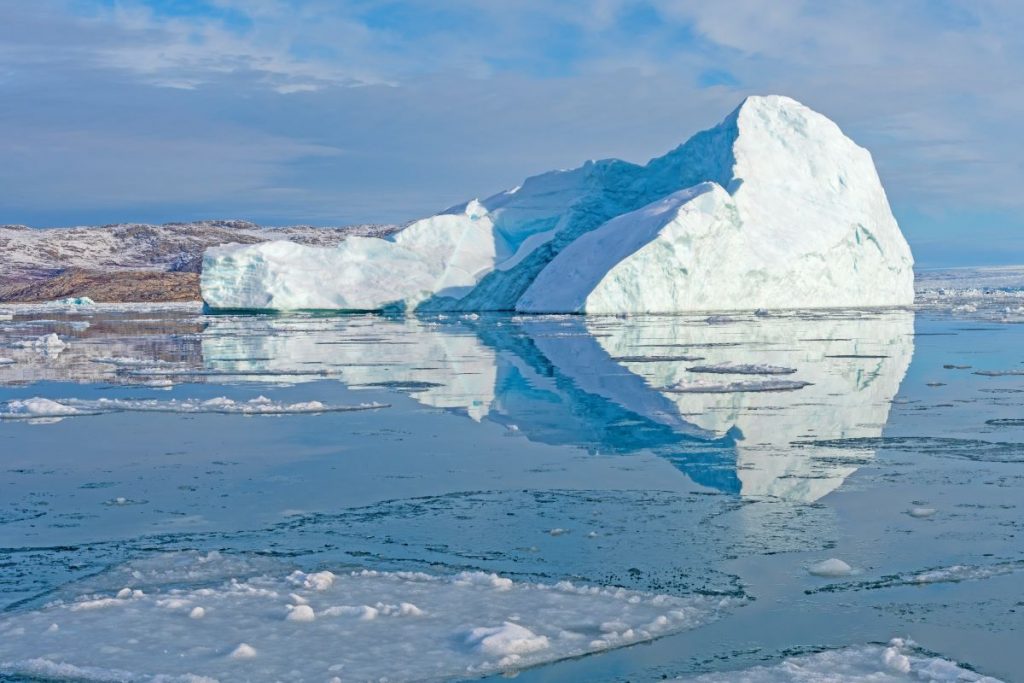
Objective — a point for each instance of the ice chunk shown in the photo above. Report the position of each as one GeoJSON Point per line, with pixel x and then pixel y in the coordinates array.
{"type": "Point", "coordinates": [243, 651]}
{"type": "Point", "coordinates": [774, 207]}
{"type": "Point", "coordinates": [831, 567]}
{"type": "Point", "coordinates": [37, 407]}
{"type": "Point", "coordinates": [300, 613]}
{"type": "Point", "coordinates": [50, 344]}
{"type": "Point", "coordinates": [506, 640]}
{"type": "Point", "coordinates": [424, 627]}
{"type": "Point", "coordinates": [74, 301]}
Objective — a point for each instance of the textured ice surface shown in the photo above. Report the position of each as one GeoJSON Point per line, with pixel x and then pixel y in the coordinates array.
{"type": "Point", "coordinates": [357, 625]}
{"type": "Point", "coordinates": [774, 207]}
{"type": "Point", "coordinates": [897, 662]}
{"type": "Point", "coordinates": [797, 219]}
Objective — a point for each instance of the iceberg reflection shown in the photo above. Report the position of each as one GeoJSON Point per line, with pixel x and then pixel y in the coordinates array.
{"type": "Point", "coordinates": [611, 385]}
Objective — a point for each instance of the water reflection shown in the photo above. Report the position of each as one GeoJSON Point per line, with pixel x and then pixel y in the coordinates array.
{"type": "Point", "coordinates": [602, 384]}
{"type": "Point", "coordinates": [606, 385]}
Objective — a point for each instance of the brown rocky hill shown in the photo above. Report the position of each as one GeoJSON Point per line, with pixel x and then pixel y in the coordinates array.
{"type": "Point", "coordinates": [134, 261]}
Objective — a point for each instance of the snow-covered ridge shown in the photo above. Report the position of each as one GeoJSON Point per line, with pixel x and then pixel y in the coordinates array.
{"type": "Point", "coordinates": [773, 208]}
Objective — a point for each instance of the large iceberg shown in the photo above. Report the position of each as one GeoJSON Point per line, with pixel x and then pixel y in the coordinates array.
{"type": "Point", "coordinates": [773, 208]}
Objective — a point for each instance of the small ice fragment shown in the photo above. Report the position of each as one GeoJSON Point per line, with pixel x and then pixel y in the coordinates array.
{"type": "Point", "coordinates": [320, 581]}
{"type": "Point", "coordinates": [197, 613]}
{"type": "Point", "coordinates": [124, 593]}
{"type": "Point", "coordinates": [504, 640]}
{"type": "Point", "coordinates": [831, 567]}
{"type": "Point", "coordinates": [407, 609]}
{"type": "Point", "coordinates": [557, 531]}
{"type": "Point", "coordinates": [53, 628]}
{"type": "Point", "coordinates": [300, 613]}
{"type": "Point", "coordinates": [921, 512]}
{"type": "Point", "coordinates": [243, 651]}
{"type": "Point", "coordinates": [895, 660]}
{"type": "Point", "coordinates": [592, 534]}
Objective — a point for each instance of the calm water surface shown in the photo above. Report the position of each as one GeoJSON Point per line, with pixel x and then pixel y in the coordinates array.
{"type": "Point", "coordinates": [637, 452]}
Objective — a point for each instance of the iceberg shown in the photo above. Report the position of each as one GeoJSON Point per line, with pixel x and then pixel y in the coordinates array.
{"type": "Point", "coordinates": [773, 208]}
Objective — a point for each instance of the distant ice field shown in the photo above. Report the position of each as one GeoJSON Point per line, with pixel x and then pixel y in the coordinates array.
{"type": "Point", "coordinates": [192, 497]}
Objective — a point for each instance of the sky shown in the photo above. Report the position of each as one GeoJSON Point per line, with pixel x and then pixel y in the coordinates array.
{"type": "Point", "coordinates": [331, 112]}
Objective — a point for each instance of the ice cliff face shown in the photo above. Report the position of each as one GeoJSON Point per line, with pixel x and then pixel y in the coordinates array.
{"type": "Point", "coordinates": [772, 208]}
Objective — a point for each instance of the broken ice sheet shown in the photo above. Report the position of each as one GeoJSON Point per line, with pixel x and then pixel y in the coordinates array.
{"type": "Point", "coordinates": [355, 625]}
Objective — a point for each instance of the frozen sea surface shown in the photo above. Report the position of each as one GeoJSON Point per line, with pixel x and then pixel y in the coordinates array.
{"type": "Point", "coordinates": [186, 496]}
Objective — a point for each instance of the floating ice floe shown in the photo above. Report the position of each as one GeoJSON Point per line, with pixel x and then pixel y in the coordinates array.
{"type": "Point", "coordinates": [6, 361]}
{"type": "Point", "coordinates": [361, 625]}
{"type": "Point", "coordinates": [35, 408]}
{"type": "Point", "coordinates": [44, 407]}
{"type": "Point", "coordinates": [74, 301]}
{"type": "Point", "coordinates": [896, 662]}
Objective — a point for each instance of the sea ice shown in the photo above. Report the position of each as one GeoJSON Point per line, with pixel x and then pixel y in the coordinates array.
{"type": "Point", "coordinates": [44, 407]}
{"type": "Point", "coordinates": [423, 627]}
{"type": "Point", "coordinates": [773, 208]}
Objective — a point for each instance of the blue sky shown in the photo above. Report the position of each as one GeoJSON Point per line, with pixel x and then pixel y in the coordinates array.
{"type": "Point", "coordinates": [332, 112]}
